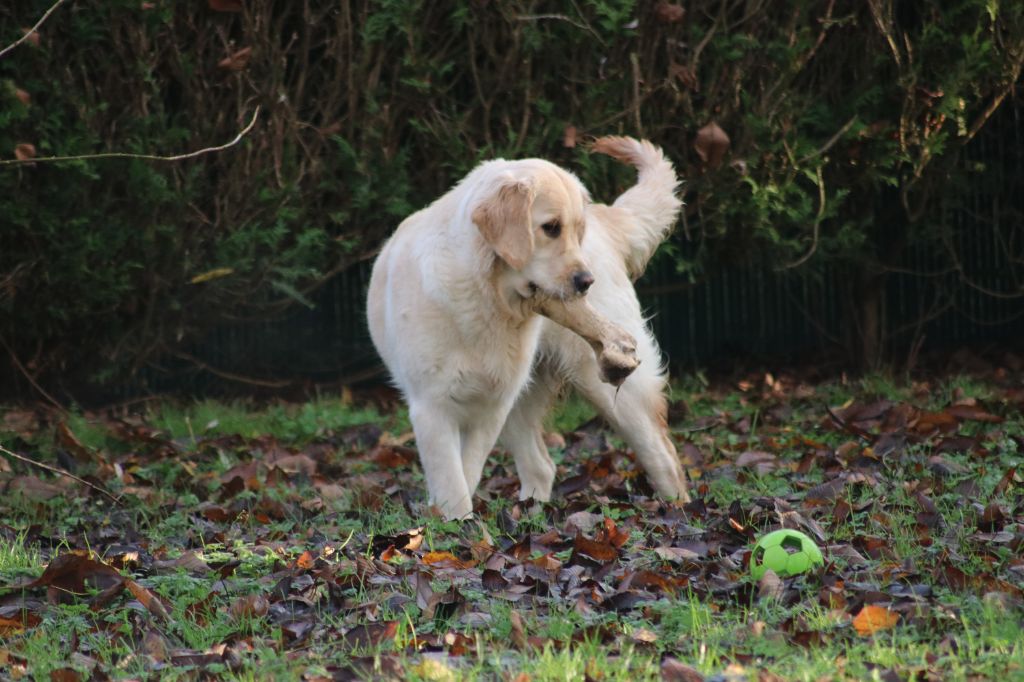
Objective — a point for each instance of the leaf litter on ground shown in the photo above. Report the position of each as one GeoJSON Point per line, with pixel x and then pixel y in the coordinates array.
{"type": "Point", "coordinates": [323, 552]}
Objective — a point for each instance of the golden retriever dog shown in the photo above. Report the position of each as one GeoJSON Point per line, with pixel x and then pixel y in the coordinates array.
{"type": "Point", "coordinates": [454, 309]}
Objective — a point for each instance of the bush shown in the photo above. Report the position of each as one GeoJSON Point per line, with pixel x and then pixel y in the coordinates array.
{"type": "Point", "coordinates": [826, 133]}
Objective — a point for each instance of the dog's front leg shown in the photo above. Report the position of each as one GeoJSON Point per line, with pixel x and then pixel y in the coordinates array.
{"type": "Point", "coordinates": [614, 346]}
{"type": "Point", "coordinates": [477, 443]}
{"type": "Point", "coordinates": [440, 448]}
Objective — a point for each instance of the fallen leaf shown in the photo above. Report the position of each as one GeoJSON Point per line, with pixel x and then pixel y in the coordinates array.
{"type": "Point", "coordinates": [973, 413]}
{"type": "Point", "coordinates": [674, 670]}
{"type": "Point", "coordinates": [445, 560]}
{"type": "Point", "coordinates": [873, 618]}
{"type": "Point", "coordinates": [149, 600]}
{"type": "Point", "coordinates": [249, 607]}
{"type": "Point", "coordinates": [371, 634]}
{"type": "Point", "coordinates": [73, 574]}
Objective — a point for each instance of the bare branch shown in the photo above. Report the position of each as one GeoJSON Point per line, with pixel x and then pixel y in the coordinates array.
{"type": "Point", "coordinates": [21, 368]}
{"type": "Point", "coordinates": [830, 143]}
{"type": "Point", "coordinates": [147, 157]}
{"type": "Point", "coordinates": [62, 472]}
{"type": "Point", "coordinates": [32, 30]}
{"type": "Point", "coordinates": [561, 17]}
{"type": "Point", "coordinates": [231, 376]}
{"type": "Point", "coordinates": [817, 225]}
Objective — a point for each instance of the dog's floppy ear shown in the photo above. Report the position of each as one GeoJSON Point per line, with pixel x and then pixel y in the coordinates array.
{"type": "Point", "coordinates": [503, 219]}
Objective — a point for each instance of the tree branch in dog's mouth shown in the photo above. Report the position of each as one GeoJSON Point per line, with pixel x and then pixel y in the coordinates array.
{"type": "Point", "coordinates": [614, 347]}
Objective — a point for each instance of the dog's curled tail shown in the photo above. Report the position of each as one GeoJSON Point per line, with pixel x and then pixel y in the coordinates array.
{"type": "Point", "coordinates": [652, 202]}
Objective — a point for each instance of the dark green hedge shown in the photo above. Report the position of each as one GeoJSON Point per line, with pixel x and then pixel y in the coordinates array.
{"type": "Point", "coordinates": [811, 134]}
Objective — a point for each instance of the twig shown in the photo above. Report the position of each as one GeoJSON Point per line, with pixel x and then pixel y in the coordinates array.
{"type": "Point", "coordinates": [850, 428]}
{"type": "Point", "coordinates": [32, 30]}
{"type": "Point", "coordinates": [147, 157]}
{"type": "Point", "coordinates": [21, 368]}
{"type": "Point", "coordinates": [817, 225]}
{"type": "Point", "coordinates": [830, 143]}
{"type": "Point", "coordinates": [561, 17]}
{"type": "Point", "coordinates": [267, 383]}
{"type": "Point", "coordinates": [62, 472]}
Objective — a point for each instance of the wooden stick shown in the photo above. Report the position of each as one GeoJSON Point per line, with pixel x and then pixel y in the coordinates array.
{"type": "Point", "coordinates": [58, 470]}
{"type": "Point", "coordinates": [32, 30]}
{"type": "Point", "coordinates": [146, 157]}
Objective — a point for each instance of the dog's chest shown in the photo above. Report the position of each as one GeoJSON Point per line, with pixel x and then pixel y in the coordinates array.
{"type": "Point", "coordinates": [496, 367]}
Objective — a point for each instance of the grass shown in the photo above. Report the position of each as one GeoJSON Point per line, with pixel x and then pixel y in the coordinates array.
{"type": "Point", "coordinates": [335, 569]}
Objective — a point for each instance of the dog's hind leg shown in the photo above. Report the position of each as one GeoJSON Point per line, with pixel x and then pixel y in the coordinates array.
{"type": "Point", "coordinates": [439, 444]}
{"type": "Point", "coordinates": [638, 413]}
{"type": "Point", "coordinates": [523, 437]}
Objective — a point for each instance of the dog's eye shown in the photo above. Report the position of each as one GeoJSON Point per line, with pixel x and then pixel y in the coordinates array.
{"type": "Point", "coordinates": [552, 228]}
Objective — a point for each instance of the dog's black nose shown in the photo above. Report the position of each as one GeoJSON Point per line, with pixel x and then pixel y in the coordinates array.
{"type": "Point", "coordinates": [582, 281]}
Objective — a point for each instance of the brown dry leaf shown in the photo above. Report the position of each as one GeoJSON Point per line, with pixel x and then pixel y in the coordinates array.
{"type": "Point", "coordinates": [644, 636]}
{"type": "Point", "coordinates": [445, 560]}
{"type": "Point", "coordinates": [770, 587]}
{"type": "Point", "coordinates": [669, 13]}
{"type": "Point", "coordinates": [35, 489]}
{"type": "Point", "coordinates": [70, 441]}
{"type": "Point", "coordinates": [155, 645]}
{"type": "Point", "coordinates": [973, 412]}
{"type": "Point", "coordinates": [33, 36]}
{"type": "Point", "coordinates": [25, 151]}
{"type": "Point", "coordinates": [873, 618]}
{"type": "Point", "coordinates": [296, 464]}
{"type": "Point", "coordinates": [189, 561]}
{"type": "Point", "coordinates": [15, 626]}
{"type": "Point", "coordinates": [601, 552]}
{"type": "Point", "coordinates": [305, 561]}
{"type": "Point", "coordinates": [612, 535]}
{"type": "Point", "coordinates": [518, 633]}
{"type": "Point", "coordinates": [371, 634]}
{"type": "Point", "coordinates": [249, 607]}
{"type": "Point", "coordinates": [149, 600]}
{"type": "Point", "coordinates": [236, 61]}
{"type": "Point", "coordinates": [75, 572]}
{"type": "Point", "coordinates": [1004, 483]}
{"type": "Point", "coordinates": [711, 145]}
{"type": "Point", "coordinates": [761, 462]}
{"type": "Point", "coordinates": [674, 670]}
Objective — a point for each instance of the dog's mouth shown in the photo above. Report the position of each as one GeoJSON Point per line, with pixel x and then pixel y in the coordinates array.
{"type": "Point", "coordinates": [534, 290]}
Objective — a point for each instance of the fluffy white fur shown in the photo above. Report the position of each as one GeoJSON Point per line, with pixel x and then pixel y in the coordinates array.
{"type": "Point", "coordinates": [450, 313]}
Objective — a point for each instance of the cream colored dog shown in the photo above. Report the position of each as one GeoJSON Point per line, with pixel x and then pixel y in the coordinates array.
{"type": "Point", "coordinates": [453, 311]}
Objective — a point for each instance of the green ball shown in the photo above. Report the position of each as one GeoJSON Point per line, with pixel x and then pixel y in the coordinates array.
{"type": "Point", "coordinates": [786, 552]}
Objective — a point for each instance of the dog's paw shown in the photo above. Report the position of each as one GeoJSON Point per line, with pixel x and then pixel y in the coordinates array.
{"type": "Point", "coordinates": [618, 359]}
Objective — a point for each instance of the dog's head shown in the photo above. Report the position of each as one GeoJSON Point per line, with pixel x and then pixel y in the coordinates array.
{"type": "Point", "coordinates": [532, 217]}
